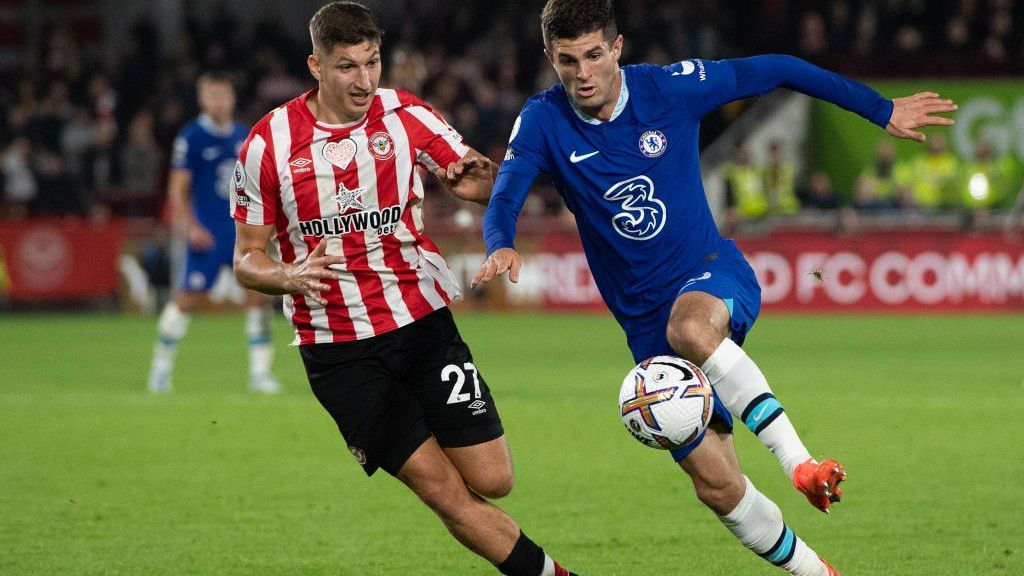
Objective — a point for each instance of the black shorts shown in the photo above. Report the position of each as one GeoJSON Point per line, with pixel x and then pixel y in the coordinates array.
{"type": "Point", "coordinates": [389, 393]}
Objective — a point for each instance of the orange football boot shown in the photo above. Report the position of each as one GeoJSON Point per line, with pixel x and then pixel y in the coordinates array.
{"type": "Point", "coordinates": [831, 571]}
{"type": "Point", "coordinates": [819, 482]}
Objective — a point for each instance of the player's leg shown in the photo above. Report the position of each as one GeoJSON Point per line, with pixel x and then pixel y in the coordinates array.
{"type": "Point", "coordinates": [751, 517]}
{"type": "Point", "coordinates": [200, 270]}
{"type": "Point", "coordinates": [486, 467]}
{"type": "Point", "coordinates": [477, 524]}
{"type": "Point", "coordinates": [699, 330]}
{"type": "Point", "coordinates": [261, 348]}
{"type": "Point", "coordinates": [384, 427]}
{"type": "Point", "coordinates": [702, 327]}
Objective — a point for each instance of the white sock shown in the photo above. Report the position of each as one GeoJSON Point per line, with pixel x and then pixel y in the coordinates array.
{"type": "Point", "coordinates": [741, 386]}
{"type": "Point", "coordinates": [757, 523]}
{"type": "Point", "coordinates": [170, 329]}
{"type": "Point", "coordinates": [261, 352]}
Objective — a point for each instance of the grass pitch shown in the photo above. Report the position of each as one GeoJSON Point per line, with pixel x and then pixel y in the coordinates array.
{"type": "Point", "coordinates": [99, 477]}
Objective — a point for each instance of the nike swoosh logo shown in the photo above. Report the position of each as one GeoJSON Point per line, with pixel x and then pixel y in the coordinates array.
{"type": "Point", "coordinates": [760, 413]}
{"type": "Point", "coordinates": [703, 276]}
{"type": "Point", "coordinates": [574, 158]}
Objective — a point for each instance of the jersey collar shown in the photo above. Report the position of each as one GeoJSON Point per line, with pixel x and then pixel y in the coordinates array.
{"type": "Point", "coordinates": [210, 126]}
{"type": "Point", "coordinates": [620, 105]}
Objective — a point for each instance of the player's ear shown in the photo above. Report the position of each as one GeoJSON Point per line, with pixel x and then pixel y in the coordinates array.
{"type": "Point", "coordinates": [549, 56]}
{"type": "Point", "coordinates": [314, 66]}
{"type": "Point", "coordinates": [617, 47]}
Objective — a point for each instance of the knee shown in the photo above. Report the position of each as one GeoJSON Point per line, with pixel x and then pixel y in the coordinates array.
{"type": "Point", "coordinates": [493, 486]}
{"type": "Point", "coordinates": [687, 336]}
{"type": "Point", "coordinates": [723, 496]}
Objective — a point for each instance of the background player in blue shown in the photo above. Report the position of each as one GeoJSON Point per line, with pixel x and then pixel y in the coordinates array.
{"type": "Point", "coordinates": [621, 148]}
{"type": "Point", "coordinates": [202, 167]}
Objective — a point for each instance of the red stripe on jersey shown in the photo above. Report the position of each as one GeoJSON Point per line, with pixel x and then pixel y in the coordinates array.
{"type": "Point", "coordinates": [358, 262]}
{"type": "Point", "coordinates": [427, 140]}
{"type": "Point", "coordinates": [425, 243]}
{"type": "Point", "coordinates": [270, 183]}
{"type": "Point", "coordinates": [307, 203]}
{"type": "Point", "coordinates": [387, 195]}
{"type": "Point", "coordinates": [559, 571]}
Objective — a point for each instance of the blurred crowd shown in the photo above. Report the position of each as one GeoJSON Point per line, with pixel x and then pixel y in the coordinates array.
{"type": "Point", "coordinates": [932, 181]}
{"type": "Point", "coordinates": [89, 135]}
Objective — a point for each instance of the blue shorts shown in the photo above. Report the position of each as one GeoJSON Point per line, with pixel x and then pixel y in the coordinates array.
{"type": "Point", "coordinates": [203, 266]}
{"type": "Point", "coordinates": [727, 276]}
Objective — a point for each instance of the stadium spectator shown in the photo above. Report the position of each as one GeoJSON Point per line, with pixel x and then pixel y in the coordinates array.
{"type": "Point", "coordinates": [779, 176]}
{"type": "Point", "coordinates": [19, 181]}
{"type": "Point", "coordinates": [141, 174]}
{"type": "Point", "coordinates": [932, 176]}
{"type": "Point", "coordinates": [744, 188]}
{"type": "Point", "coordinates": [876, 188]}
{"type": "Point", "coordinates": [817, 193]}
{"type": "Point", "coordinates": [987, 180]}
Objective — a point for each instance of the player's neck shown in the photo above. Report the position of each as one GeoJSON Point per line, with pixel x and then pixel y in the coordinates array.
{"type": "Point", "coordinates": [607, 110]}
{"type": "Point", "coordinates": [324, 112]}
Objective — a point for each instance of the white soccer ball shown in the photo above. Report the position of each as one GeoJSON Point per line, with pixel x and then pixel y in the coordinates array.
{"type": "Point", "coordinates": [666, 402]}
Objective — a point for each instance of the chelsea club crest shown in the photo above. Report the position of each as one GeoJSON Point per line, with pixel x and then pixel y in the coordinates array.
{"type": "Point", "coordinates": [653, 143]}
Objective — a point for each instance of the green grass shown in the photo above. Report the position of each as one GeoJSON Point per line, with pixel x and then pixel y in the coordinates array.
{"type": "Point", "coordinates": [98, 477]}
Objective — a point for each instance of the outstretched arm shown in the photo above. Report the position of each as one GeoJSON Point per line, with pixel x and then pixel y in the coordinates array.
{"type": "Point", "coordinates": [900, 117]}
{"type": "Point", "coordinates": [510, 190]}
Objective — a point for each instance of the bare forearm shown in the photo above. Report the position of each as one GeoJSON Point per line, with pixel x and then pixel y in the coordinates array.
{"type": "Point", "coordinates": [257, 271]}
{"type": "Point", "coordinates": [473, 191]}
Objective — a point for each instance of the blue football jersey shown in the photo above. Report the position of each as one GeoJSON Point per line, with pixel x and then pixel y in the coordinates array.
{"type": "Point", "coordinates": [634, 182]}
{"type": "Point", "coordinates": [210, 153]}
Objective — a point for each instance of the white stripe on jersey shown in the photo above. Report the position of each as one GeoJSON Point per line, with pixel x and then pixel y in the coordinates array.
{"type": "Point", "coordinates": [326, 188]}
{"type": "Point", "coordinates": [253, 163]}
{"type": "Point", "coordinates": [367, 168]}
{"type": "Point", "coordinates": [437, 126]}
{"type": "Point", "coordinates": [389, 98]}
{"type": "Point", "coordinates": [403, 175]}
{"type": "Point", "coordinates": [280, 132]}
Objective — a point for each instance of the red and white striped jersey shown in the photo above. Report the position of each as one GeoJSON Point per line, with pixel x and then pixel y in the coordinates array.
{"type": "Point", "coordinates": [356, 185]}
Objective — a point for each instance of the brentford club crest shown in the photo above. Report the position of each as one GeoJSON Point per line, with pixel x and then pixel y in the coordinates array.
{"type": "Point", "coordinates": [382, 146]}
{"type": "Point", "coordinates": [349, 199]}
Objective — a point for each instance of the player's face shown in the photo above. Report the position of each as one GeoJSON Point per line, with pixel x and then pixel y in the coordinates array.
{"type": "Point", "coordinates": [588, 67]}
{"type": "Point", "coordinates": [217, 99]}
{"type": "Point", "coordinates": [348, 76]}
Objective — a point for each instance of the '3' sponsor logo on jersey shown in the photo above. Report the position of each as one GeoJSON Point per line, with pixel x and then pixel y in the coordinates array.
{"type": "Point", "coordinates": [643, 215]}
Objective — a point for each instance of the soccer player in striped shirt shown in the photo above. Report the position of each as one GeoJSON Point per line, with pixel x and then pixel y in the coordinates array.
{"type": "Point", "coordinates": [330, 179]}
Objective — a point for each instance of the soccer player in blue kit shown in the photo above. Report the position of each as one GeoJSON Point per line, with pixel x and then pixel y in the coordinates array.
{"type": "Point", "coordinates": [202, 170]}
{"type": "Point", "coordinates": [620, 145]}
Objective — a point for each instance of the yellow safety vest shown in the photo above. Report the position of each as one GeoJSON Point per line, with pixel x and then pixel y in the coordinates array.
{"type": "Point", "coordinates": [780, 185]}
{"type": "Point", "coordinates": [748, 190]}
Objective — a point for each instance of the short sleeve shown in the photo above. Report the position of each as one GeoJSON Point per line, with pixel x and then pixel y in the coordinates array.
{"type": "Point", "coordinates": [180, 153]}
{"type": "Point", "coordinates": [255, 183]}
{"type": "Point", "coordinates": [699, 86]}
{"type": "Point", "coordinates": [436, 142]}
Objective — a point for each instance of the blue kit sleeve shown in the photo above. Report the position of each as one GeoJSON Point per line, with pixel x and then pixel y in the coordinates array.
{"type": "Point", "coordinates": [524, 160]}
{"type": "Point", "coordinates": [758, 75]}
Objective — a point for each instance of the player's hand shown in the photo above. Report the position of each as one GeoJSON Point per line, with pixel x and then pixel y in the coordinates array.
{"type": "Point", "coordinates": [916, 111]}
{"type": "Point", "coordinates": [501, 261]}
{"type": "Point", "coordinates": [470, 178]}
{"type": "Point", "coordinates": [308, 276]}
{"type": "Point", "coordinates": [199, 237]}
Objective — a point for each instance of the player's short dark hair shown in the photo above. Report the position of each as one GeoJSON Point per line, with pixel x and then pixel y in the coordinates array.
{"type": "Point", "coordinates": [568, 19]}
{"type": "Point", "coordinates": [215, 77]}
{"type": "Point", "coordinates": [345, 23]}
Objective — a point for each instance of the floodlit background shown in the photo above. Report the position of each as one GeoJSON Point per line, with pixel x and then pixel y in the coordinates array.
{"type": "Point", "coordinates": [892, 274]}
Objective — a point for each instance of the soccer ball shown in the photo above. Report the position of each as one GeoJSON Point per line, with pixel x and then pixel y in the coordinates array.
{"type": "Point", "coordinates": [666, 402]}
